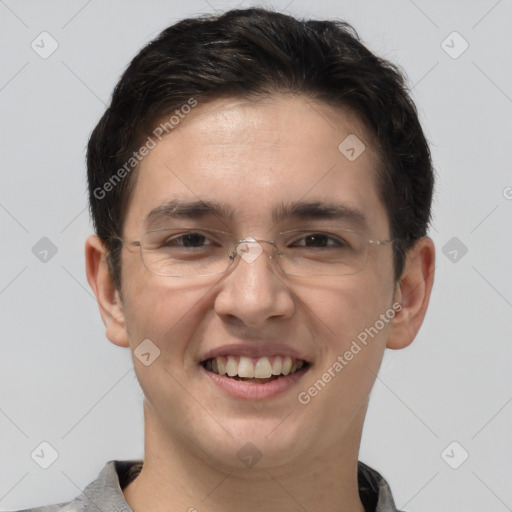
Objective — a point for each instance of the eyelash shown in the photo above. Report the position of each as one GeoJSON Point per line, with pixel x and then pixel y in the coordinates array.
{"type": "Point", "coordinates": [168, 243]}
{"type": "Point", "coordinates": [338, 242]}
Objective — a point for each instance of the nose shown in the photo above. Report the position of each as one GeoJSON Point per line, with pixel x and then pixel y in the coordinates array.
{"type": "Point", "coordinates": [254, 291]}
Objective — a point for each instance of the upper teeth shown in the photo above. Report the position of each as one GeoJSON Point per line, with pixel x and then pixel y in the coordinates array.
{"type": "Point", "coordinates": [247, 367]}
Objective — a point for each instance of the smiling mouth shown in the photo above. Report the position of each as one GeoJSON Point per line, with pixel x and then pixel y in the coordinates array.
{"type": "Point", "coordinates": [254, 369]}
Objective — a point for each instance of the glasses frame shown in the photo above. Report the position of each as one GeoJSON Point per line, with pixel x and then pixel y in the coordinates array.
{"type": "Point", "coordinates": [236, 243]}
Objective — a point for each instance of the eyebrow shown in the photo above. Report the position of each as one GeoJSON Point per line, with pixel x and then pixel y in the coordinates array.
{"type": "Point", "coordinates": [322, 211]}
{"type": "Point", "coordinates": [176, 209]}
{"type": "Point", "coordinates": [317, 210]}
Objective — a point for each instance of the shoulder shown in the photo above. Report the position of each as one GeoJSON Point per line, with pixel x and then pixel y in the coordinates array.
{"type": "Point", "coordinates": [61, 507]}
{"type": "Point", "coordinates": [104, 494]}
{"type": "Point", "coordinates": [66, 506]}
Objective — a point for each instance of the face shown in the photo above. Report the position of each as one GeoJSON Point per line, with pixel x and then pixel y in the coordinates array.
{"type": "Point", "coordinates": [254, 161]}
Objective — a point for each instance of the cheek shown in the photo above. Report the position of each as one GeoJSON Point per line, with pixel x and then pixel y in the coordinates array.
{"type": "Point", "coordinates": [352, 337]}
{"type": "Point", "coordinates": [165, 311]}
{"type": "Point", "coordinates": [344, 308]}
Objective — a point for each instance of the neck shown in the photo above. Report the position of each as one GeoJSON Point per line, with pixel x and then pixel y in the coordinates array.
{"type": "Point", "coordinates": [174, 478]}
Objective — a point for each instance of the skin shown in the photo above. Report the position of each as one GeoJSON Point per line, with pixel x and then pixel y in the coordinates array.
{"type": "Point", "coordinates": [251, 156]}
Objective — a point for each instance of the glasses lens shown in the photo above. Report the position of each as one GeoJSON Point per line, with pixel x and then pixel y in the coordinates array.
{"type": "Point", "coordinates": [185, 252]}
{"type": "Point", "coordinates": [301, 252]}
{"type": "Point", "coordinates": [329, 252]}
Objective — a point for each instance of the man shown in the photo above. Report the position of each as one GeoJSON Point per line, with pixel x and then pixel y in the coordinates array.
{"type": "Point", "coordinates": [260, 189]}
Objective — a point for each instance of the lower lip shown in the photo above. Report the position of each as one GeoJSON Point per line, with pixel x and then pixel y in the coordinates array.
{"type": "Point", "coordinates": [253, 390]}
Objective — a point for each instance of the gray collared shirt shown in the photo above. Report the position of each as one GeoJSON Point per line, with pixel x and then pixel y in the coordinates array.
{"type": "Point", "coordinates": [105, 493]}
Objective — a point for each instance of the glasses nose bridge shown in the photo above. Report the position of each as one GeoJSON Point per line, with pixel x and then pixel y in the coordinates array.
{"type": "Point", "coordinates": [253, 240]}
{"type": "Point", "coordinates": [250, 248]}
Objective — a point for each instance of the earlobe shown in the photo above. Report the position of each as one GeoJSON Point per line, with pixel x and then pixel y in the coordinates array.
{"type": "Point", "coordinates": [109, 300]}
{"type": "Point", "coordinates": [413, 294]}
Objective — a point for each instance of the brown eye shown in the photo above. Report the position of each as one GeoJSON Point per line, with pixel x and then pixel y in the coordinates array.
{"type": "Point", "coordinates": [186, 240]}
{"type": "Point", "coordinates": [318, 240]}
{"type": "Point", "coordinates": [192, 240]}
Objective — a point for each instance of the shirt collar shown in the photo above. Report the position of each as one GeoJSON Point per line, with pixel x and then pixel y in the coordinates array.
{"type": "Point", "coordinates": [105, 493]}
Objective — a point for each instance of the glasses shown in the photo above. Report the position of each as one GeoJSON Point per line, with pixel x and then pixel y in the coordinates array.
{"type": "Point", "coordinates": [192, 252]}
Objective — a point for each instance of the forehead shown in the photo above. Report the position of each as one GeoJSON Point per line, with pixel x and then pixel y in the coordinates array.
{"type": "Point", "coordinates": [255, 159]}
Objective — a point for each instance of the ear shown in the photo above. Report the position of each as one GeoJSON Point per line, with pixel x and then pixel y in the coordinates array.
{"type": "Point", "coordinates": [109, 300]}
{"type": "Point", "coordinates": [413, 293]}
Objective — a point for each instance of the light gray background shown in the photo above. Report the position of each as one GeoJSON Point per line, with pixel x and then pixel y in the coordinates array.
{"type": "Point", "coordinates": [62, 382]}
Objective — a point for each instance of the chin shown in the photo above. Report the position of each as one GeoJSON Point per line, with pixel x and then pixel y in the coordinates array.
{"type": "Point", "coordinates": [254, 444]}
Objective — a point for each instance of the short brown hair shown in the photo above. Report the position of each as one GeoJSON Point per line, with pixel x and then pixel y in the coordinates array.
{"type": "Point", "coordinates": [250, 52]}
